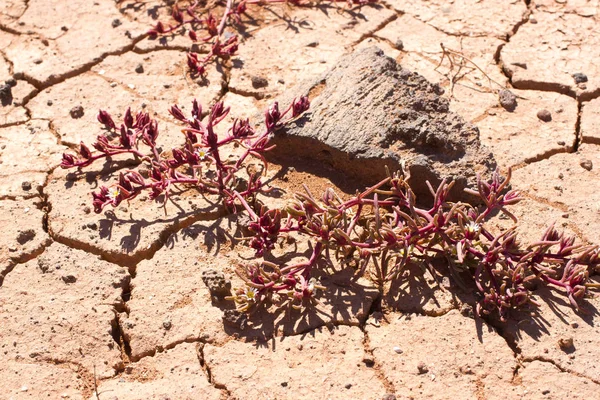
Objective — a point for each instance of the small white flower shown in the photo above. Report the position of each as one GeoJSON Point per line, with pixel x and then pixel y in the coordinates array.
{"type": "Point", "coordinates": [202, 154]}
{"type": "Point", "coordinates": [473, 228]}
{"type": "Point", "coordinates": [251, 294]}
{"type": "Point", "coordinates": [113, 193]}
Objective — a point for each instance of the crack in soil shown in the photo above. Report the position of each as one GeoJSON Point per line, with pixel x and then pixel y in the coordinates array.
{"type": "Point", "coordinates": [560, 367]}
{"type": "Point", "coordinates": [23, 258]}
{"type": "Point", "coordinates": [56, 79]}
{"type": "Point", "coordinates": [509, 35]}
{"type": "Point", "coordinates": [382, 25]}
{"type": "Point", "coordinates": [88, 379]}
{"type": "Point", "coordinates": [578, 135]}
{"type": "Point", "coordinates": [371, 363]}
{"type": "Point", "coordinates": [225, 393]}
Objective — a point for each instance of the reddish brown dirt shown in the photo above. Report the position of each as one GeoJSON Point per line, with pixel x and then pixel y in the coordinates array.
{"type": "Point", "coordinates": [112, 306]}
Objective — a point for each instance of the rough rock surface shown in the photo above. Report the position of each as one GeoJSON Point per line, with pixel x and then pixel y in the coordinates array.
{"type": "Point", "coordinates": [319, 364]}
{"type": "Point", "coordinates": [368, 113]}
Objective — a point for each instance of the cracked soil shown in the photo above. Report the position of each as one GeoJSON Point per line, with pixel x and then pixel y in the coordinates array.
{"type": "Point", "coordinates": [113, 306]}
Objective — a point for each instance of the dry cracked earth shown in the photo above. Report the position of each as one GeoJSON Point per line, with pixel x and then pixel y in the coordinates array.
{"type": "Point", "coordinates": [113, 306]}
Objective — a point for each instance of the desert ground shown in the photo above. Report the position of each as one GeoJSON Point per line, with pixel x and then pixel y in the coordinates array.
{"type": "Point", "coordinates": [113, 305]}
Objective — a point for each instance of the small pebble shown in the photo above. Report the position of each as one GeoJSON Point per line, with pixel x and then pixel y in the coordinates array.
{"type": "Point", "coordinates": [586, 164]}
{"type": "Point", "coordinates": [92, 225]}
{"type": "Point", "coordinates": [565, 343]}
{"type": "Point", "coordinates": [49, 102]}
{"type": "Point", "coordinates": [348, 386]}
{"type": "Point", "coordinates": [167, 324]}
{"type": "Point", "coordinates": [259, 82]}
{"type": "Point", "coordinates": [38, 61]}
{"type": "Point", "coordinates": [116, 22]}
{"type": "Point", "coordinates": [544, 115]}
{"type": "Point", "coordinates": [507, 99]}
{"type": "Point", "coordinates": [26, 185]}
{"type": "Point", "coordinates": [579, 77]}
{"type": "Point", "coordinates": [139, 69]}
{"type": "Point", "coordinates": [398, 350]}
{"type": "Point", "coordinates": [64, 28]}
{"type": "Point", "coordinates": [76, 112]}
{"type": "Point", "coordinates": [69, 278]}
{"type": "Point", "coordinates": [25, 236]}
{"type": "Point", "coordinates": [422, 368]}
{"type": "Point", "coordinates": [399, 45]}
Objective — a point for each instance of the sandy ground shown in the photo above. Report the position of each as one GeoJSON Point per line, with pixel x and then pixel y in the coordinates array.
{"type": "Point", "coordinates": [112, 305]}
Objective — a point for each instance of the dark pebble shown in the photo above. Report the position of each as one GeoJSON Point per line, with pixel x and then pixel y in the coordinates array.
{"type": "Point", "coordinates": [139, 69]}
{"type": "Point", "coordinates": [25, 236]}
{"type": "Point", "coordinates": [76, 112]}
{"type": "Point", "coordinates": [26, 185]}
{"type": "Point", "coordinates": [69, 278]}
{"type": "Point", "coordinates": [544, 115]}
{"type": "Point", "coordinates": [399, 45]}
{"type": "Point", "coordinates": [259, 82]}
{"type": "Point", "coordinates": [578, 77]}
{"type": "Point", "coordinates": [586, 164]}
{"type": "Point", "coordinates": [507, 99]}
{"type": "Point", "coordinates": [116, 22]}
{"type": "Point", "coordinates": [6, 94]}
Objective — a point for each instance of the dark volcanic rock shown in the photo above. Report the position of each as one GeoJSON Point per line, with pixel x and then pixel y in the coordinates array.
{"type": "Point", "coordinates": [368, 113]}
